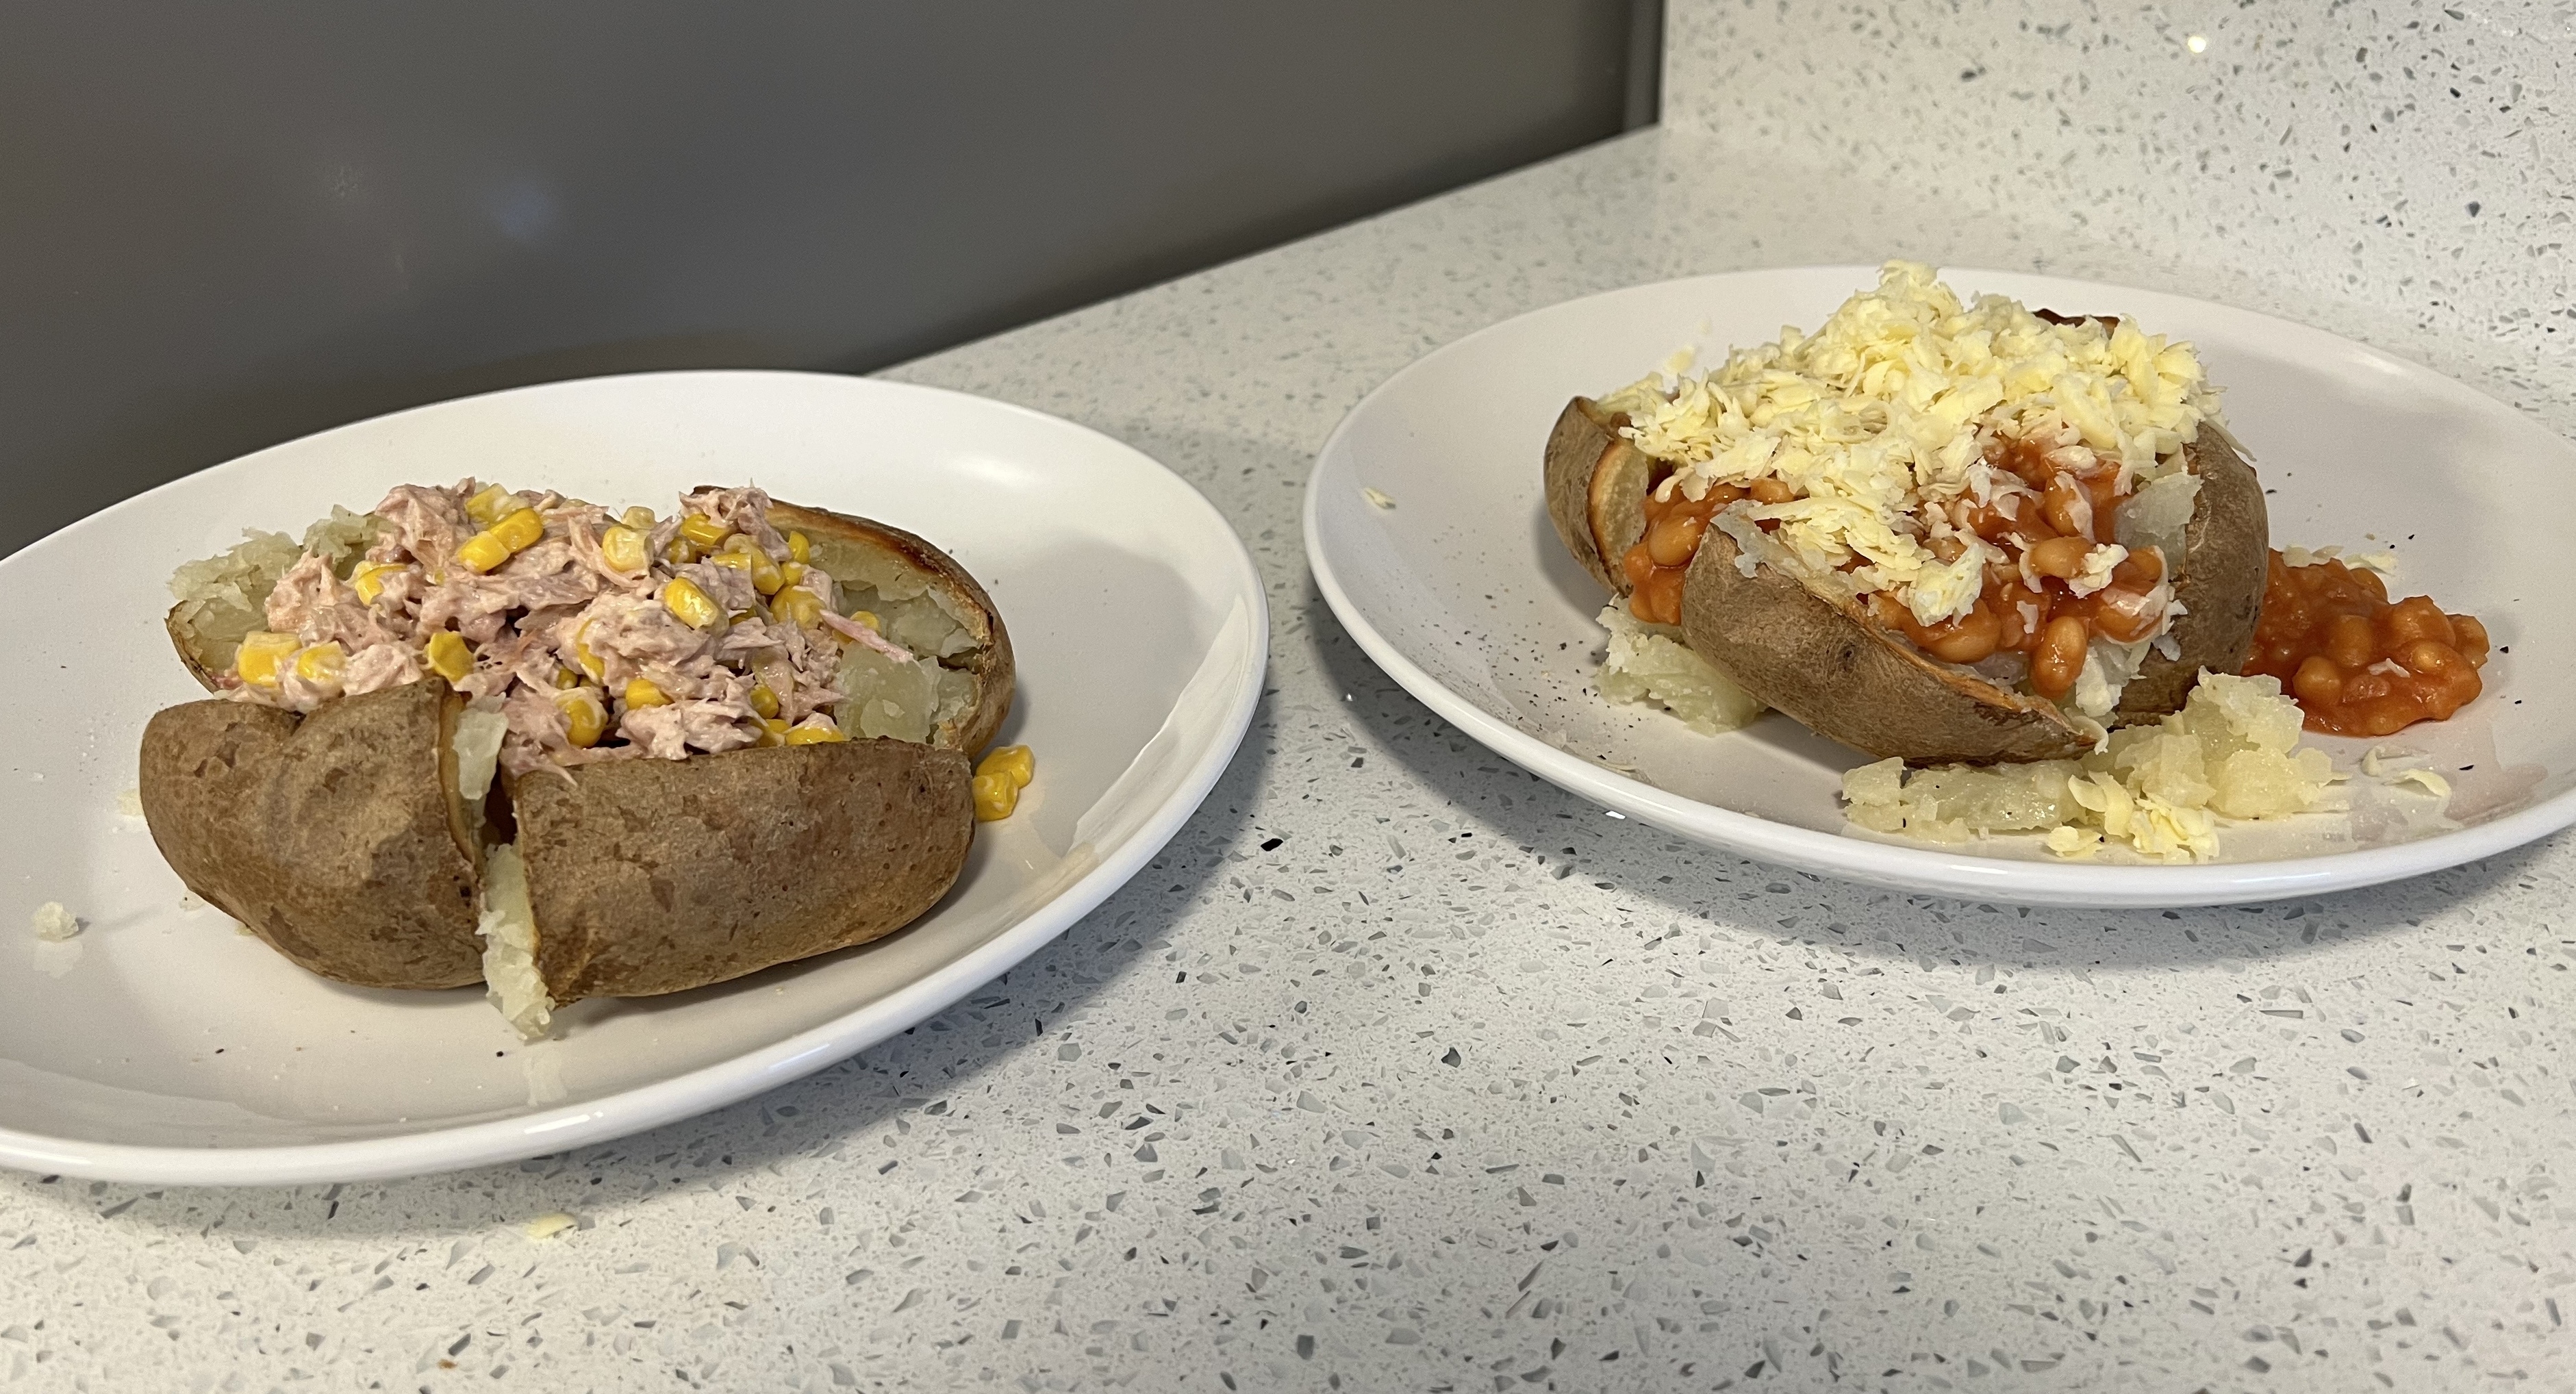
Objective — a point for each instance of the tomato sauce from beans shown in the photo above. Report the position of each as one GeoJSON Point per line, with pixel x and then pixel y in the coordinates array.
{"type": "Point", "coordinates": [2358, 664]}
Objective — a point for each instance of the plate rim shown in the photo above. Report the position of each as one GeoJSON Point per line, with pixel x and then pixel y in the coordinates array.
{"type": "Point", "coordinates": [732, 1080]}
{"type": "Point", "coordinates": [1889, 866]}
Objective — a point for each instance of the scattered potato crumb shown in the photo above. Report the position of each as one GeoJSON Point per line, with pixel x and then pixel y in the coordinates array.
{"type": "Point", "coordinates": [1377, 497]}
{"type": "Point", "coordinates": [56, 924]}
{"type": "Point", "coordinates": [548, 1226]}
{"type": "Point", "coordinates": [129, 803]}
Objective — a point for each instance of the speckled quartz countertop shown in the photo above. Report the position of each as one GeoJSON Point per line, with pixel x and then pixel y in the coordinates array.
{"type": "Point", "coordinates": [1400, 1070]}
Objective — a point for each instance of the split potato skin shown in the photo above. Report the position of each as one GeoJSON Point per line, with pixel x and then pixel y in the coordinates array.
{"type": "Point", "coordinates": [329, 836]}
{"type": "Point", "coordinates": [1830, 666]}
{"type": "Point", "coordinates": [2226, 549]}
{"type": "Point", "coordinates": [655, 876]}
{"type": "Point", "coordinates": [1596, 490]}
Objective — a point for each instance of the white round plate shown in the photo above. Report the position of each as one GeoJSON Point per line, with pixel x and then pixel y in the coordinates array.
{"type": "Point", "coordinates": [1461, 591]}
{"type": "Point", "coordinates": [161, 1045]}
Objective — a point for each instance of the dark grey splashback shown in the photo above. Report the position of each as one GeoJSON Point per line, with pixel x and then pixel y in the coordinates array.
{"type": "Point", "coordinates": [223, 226]}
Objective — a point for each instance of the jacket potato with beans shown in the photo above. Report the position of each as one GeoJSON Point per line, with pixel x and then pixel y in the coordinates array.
{"type": "Point", "coordinates": [485, 735]}
{"type": "Point", "coordinates": [1938, 531]}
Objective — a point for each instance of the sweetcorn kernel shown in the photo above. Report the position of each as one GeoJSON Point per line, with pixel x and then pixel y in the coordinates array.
{"type": "Point", "coordinates": [521, 530]}
{"type": "Point", "coordinates": [256, 661]}
{"type": "Point", "coordinates": [322, 663]}
{"type": "Point", "coordinates": [448, 655]}
{"type": "Point", "coordinates": [690, 604]}
{"type": "Point", "coordinates": [798, 606]}
{"type": "Point", "coordinates": [639, 518]}
{"type": "Point", "coordinates": [1013, 761]}
{"type": "Point", "coordinates": [368, 580]}
{"type": "Point", "coordinates": [623, 548]}
{"type": "Point", "coordinates": [483, 551]}
{"type": "Point", "coordinates": [814, 735]}
{"type": "Point", "coordinates": [764, 701]}
{"type": "Point", "coordinates": [703, 530]}
{"type": "Point", "coordinates": [585, 716]}
{"type": "Point", "coordinates": [644, 692]}
{"type": "Point", "coordinates": [799, 548]}
{"type": "Point", "coordinates": [489, 503]}
{"type": "Point", "coordinates": [995, 797]}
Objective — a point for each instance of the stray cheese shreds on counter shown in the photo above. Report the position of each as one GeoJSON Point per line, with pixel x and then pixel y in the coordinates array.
{"type": "Point", "coordinates": [548, 1226]}
{"type": "Point", "coordinates": [1883, 415]}
{"type": "Point", "coordinates": [2162, 791]}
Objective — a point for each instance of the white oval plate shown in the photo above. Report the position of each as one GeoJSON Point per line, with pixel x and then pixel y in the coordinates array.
{"type": "Point", "coordinates": [162, 1046]}
{"type": "Point", "coordinates": [1463, 594]}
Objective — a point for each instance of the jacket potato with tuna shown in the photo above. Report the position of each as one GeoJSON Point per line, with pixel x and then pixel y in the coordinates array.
{"type": "Point", "coordinates": [503, 737]}
{"type": "Point", "coordinates": [1942, 532]}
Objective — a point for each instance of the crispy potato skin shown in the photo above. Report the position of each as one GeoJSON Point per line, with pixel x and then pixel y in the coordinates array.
{"type": "Point", "coordinates": [2226, 549]}
{"type": "Point", "coordinates": [995, 673]}
{"type": "Point", "coordinates": [1596, 490]}
{"type": "Point", "coordinates": [1843, 677]}
{"type": "Point", "coordinates": [327, 835]}
{"type": "Point", "coordinates": [654, 876]}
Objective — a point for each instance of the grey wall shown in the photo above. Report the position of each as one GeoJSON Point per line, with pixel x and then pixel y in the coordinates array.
{"type": "Point", "coordinates": [224, 226]}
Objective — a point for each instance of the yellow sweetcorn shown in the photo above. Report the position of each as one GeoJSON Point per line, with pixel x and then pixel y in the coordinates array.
{"type": "Point", "coordinates": [490, 503]}
{"type": "Point", "coordinates": [799, 548]}
{"type": "Point", "coordinates": [995, 797]}
{"type": "Point", "coordinates": [368, 580]}
{"type": "Point", "coordinates": [731, 560]}
{"type": "Point", "coordinates": [482, 552]}
{"type": "Point", "coordinates": [1013, 761]}
{"type": "Point", "coordinates": [789, 573]}
{"type": "Point", "coordinates": [799, 606]}
{"type": "Point", "coordinates": [704, 531]}
{"type": "Point", "coordinates": [639, 518]}
{"type": "Point", "coordinates": [566, 678]}
{"type": "Point", "coordinates": [585, 716]}
{"type": "Point", "coordinates": [582, 655]}
{"type": "Point", "coordinates": [868, 618]}
{"type": "Point", "coordinates": [644, 692]}
{"type": "Point", "coordinates": [681, 552]}
{"type": "Point", "coordinates": [766, 575]}
{"type": "Point", "coordinates": [322, 662]}
{"type": "Point", "coordinates": [261, 651]}
{"type": "Point", "coordinates": [815, 735]}
{"type": "Point", "coordinates": [773, 732]}
{"type": "Point", "coordinates": [764, 701]}
{"type": "Point", "coordinates": [690, 604]}
{"type": "Point", "coordinates": [622, 547]}
{"type": "Point", "coordinates": [448, 655]}
{"type": "Point", "coordinates": [521, 530]}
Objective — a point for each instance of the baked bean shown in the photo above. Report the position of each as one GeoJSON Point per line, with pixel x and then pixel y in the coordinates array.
{"type": "Point", "coordinates": [1637, 565]}
{"type": "Point", "coordinates": [2350, 642]}
{"type": "Point", "coordinates": [2415, 617]}
{"type": "Point", "coordinates": [2069, 507]}
{"type": "Point", "coordinates": [2429, 658]}
{"type": "Point", "coordinates": [1947, 546]}
{"type": "Point", "coordinates": [2368, 685]}
{"type": "Point", "coordinates": [2141, 570]}
{"type": "Point", "coordinates": [1967, 639]}
{"type": "Point", "coordinates": [2472, 641]}
{"type": "Point", "coordinates": [2318, 683]}
{"type": "Point", "coordinates": [1674, 538]}
{"type": "Point", "coordinates": [2126, 615]}
{"type": "Point", "coordinates": [2060, 659]}
{"type": "Point", "coordinates": [1658, 599]}
{"type": "Point", "coordinates": [1771, 489]}
{"type": "Point", "coordinates": [2061, 557]}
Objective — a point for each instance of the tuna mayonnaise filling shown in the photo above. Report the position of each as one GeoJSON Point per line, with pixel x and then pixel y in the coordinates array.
{"type": "Point", "coordinates": [595, 637]}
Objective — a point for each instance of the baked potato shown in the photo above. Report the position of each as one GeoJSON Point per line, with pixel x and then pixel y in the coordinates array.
{"type": "Point", "coordinates": [2102, 595]}
{"type": "Point", "coordinates": [752, 746]}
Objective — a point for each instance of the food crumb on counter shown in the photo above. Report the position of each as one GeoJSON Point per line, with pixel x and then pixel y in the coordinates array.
{"type": "Point", "coordinates": [129, 803]}
{"type": "Point", "coordinates": [549, 1226]}
{"type": "Point", "coordinates": [56, 924]}
{"type": "Point", "coordinates": [1377, 498]}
